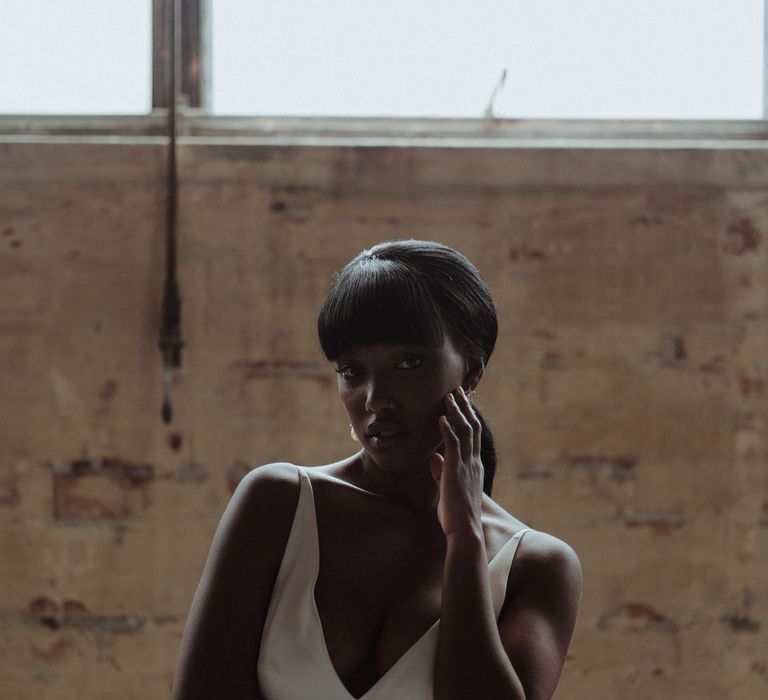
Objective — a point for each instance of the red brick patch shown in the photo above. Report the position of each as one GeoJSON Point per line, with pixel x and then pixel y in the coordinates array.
{"type": "Point", "coordinates": [635, 616]}
{"type": "Point", "coordinates": [743, 237]}
{"type": "Point", "coordinates": [101, 489]}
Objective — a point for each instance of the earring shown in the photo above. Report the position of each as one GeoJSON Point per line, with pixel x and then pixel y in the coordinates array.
{"type": "Point", "coordinates": [352, 433]}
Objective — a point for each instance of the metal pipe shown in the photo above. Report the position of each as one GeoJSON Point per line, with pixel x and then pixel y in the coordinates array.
{"type": "Point", "coordinates": [170, 329]}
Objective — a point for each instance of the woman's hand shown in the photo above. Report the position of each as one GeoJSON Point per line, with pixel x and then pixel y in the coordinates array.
{"type": "Point", "coordinates": [459, 474]}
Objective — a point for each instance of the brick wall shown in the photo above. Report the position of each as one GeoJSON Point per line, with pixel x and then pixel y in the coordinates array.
{"type": "Point", "coordinates": [627, 392]}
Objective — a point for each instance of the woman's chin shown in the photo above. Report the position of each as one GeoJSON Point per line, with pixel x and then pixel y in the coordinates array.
{"type": "Point", "coordinates": [397, 457]}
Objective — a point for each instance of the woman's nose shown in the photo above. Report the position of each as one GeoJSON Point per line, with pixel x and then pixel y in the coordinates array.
{"type": "Point", "coordinates": [377, 398]}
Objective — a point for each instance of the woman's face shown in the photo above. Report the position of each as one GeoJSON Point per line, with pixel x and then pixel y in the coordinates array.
{"type": "Point", "coordinates": [393, 395]}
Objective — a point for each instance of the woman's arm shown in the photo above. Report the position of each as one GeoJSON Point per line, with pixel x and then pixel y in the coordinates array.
{"type": "Point", "coordinates": [521, 657]}
{"type": "Point", "coordinates": [220, 646]}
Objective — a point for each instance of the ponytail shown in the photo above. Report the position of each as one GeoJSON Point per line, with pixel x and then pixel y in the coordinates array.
{"type": "Point", "coordinates": [487, 453]}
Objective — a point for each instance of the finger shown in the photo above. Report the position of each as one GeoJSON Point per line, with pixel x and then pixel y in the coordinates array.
{"type": "Point", "coordinates": [461, 427]}
{"type": "Point", "coordinates": [466, 407]}
{"type": "Point", "coordinates": [436, 466]}
{"type": "Point", "coordinates": [469, 413]}
{"type": "Point", "coordinates": [450, 441]}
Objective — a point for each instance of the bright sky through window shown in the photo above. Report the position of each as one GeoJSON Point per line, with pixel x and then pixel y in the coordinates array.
{"type": "Point", "coordinates": [633, 59]}
{"type": "Point", "coordinates": [75, 56]}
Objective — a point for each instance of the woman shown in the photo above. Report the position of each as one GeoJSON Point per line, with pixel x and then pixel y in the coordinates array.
{"type": "Point", "coordinates": [391, 574]}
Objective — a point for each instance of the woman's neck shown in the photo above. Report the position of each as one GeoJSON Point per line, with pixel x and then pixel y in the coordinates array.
{"type": "Point", "coordinates": [412, 487]}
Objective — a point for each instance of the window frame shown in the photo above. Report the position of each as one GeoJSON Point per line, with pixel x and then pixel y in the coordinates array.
{"type": "Point", "coordinates": [194, 120]}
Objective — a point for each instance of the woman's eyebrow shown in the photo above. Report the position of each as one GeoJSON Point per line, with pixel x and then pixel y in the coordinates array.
{"type": "Point", "coordinates": [426, 349]}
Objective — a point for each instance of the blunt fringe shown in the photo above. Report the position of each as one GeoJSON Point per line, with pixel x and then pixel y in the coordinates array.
{"type": "Point", "coordinates": [408, 291]}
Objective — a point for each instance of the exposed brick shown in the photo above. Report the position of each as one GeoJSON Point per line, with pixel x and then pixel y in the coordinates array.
{"type": "Point", "coordinates": [43, 606]}
{"type": "Point", "coordinates": [270, 369]}
{"type": "Point", "coordinates": [174, 441]}
{"type": "Point", "coordinates": [743, 237]}
{"type": "Point", "coordinates": [74, 614]}
{"type": "Point", "coordinates": [636, 616]}
{"type": "Point", "coordinates": [108, 390]}
{"type": "Point", "coordinates": [674, 349]}
{"type": "Point", "coordinates": [543, 333]}
{"type": "Point", "coordinates": [236, 473]}
{"type": "Point", "coordinates": [750, 385]}
{"type": "Point", "coordinates": [9, 493]}
{"type": "Point", "coordinates": [57, 651]}
{"type": "Point", "coordinates": [97, 490]}
{"type": "Point", "coordinates": [73, 607]}
{"type": "Point", "coordinates": [646, 220]}
{"type": "Point", "coordinates": [552, 359]}
{"type": "Point", "coordinates": [523, 252]}
{"type": "Point", "coordinates": [659, 523]}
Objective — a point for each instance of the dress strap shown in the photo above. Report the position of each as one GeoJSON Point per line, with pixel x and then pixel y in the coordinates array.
{"type": "Point", "coordinates": [301, 559]}
{"type": "Point", "coordinates": [500, 567]}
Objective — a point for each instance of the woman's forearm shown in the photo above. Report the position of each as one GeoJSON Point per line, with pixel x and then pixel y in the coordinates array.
{"type": "Point", "coordinates": [470, 661]}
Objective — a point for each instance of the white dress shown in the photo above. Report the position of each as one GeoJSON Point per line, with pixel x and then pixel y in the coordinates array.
{"type": "Point", "coordinates": [294, 663]}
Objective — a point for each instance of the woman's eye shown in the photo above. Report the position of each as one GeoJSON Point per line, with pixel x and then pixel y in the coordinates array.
{"type": "Point", "coordinates": [348, 371]}
{"type": "Point", "coordinates": [410, 362]}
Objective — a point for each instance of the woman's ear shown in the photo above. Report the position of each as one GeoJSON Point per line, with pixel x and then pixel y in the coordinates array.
{"type": "Point", "coordinates": [473, 375]}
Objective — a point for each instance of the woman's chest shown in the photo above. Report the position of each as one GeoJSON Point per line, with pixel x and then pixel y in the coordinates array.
{"type": "Point", "coordinates": [379, 582]}
{"type": "Point", "coordinates": [378, 591]}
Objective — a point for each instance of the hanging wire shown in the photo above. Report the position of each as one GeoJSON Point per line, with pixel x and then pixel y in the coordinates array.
{"type": "Point", "coordinates": [170, 329]}
{"type": "Point", "coordinates": [496, 89]}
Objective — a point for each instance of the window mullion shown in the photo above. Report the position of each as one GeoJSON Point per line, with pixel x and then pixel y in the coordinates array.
{"type": "Point", "coordinates": [195, 54]}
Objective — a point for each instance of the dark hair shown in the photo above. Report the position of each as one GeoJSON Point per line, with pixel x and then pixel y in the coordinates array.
{"type": "Point", "coordinates": [410, 291]}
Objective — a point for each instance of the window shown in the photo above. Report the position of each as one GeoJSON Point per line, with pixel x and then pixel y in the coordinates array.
{"type": "Point", "coordinates": [76, 57]}
{"type": "Point", "coordinates": [595, 59]}
{"type": "Point", "coordinates": [429, 68]}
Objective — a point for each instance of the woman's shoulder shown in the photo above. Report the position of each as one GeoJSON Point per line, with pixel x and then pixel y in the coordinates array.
{"type": "Point", "coordinates": [539, 554]}
{"type": "Point", "coordinates": [276, 486]}
{"type": "Point", "coordinates": [544, 557]}
{"type": "Point", "coordinates": [276, 480]}
{"type": "Point", "coordinates": [266, 497]}
{"type": "Point", "coordinates": [546, 568]}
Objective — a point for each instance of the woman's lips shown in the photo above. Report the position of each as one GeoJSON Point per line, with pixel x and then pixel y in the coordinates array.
{"type": "Point", "coordinates": [385, 439]}
{"type": "Point", "coordinates": [381, 435]}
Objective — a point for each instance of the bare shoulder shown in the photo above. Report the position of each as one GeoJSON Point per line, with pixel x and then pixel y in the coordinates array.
{"type": "Point", "coordinates": [544, 561]}
{"type": "Point", "coordinates": [539, 615]}
{"type": "Point", "coordinates": [538, 550]}
{"type": "Point", "coordinates": [544, 550]}
{"type": "Point", "coordinates": [276, 478]}
{"type": "Point", "coordinates": [263, 505]}
{"type": "Point", "coordinates": [234, 592]}
{"type": "Point", "coordinates": [545, 584]}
